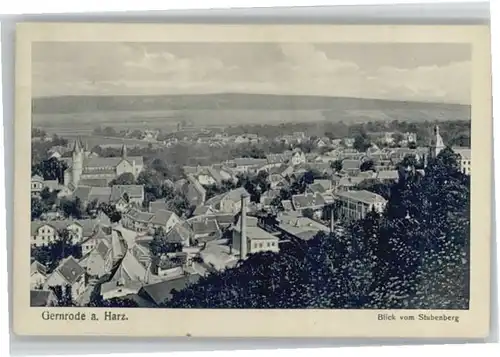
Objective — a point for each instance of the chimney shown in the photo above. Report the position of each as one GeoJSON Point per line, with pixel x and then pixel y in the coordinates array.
{"type": "Point", "coordinates": [243, 226]}
{"type": "Point", "coordinates": [332, 220]}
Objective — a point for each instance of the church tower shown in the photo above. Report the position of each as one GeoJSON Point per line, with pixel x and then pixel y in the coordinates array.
{"type": "Point", "coordinates": [437, 143]}
{"type": "Point", "coordinates": [77, 165]}
{"type": "Point", "coordinates": [124, 151]}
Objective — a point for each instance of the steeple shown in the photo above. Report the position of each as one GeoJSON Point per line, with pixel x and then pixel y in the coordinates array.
{"type": "Point", "coordinates": [124, 151]}
{"type": "Point", "coordinates": [78, 147]}
{"type": "Point", "coordinates": [437, 143]}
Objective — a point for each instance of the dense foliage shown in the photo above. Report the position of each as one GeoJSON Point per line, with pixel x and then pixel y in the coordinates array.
{"type": "Point", "coordinates": [414, 255]}
{"type": "Point", "coordinates": [50, 255]}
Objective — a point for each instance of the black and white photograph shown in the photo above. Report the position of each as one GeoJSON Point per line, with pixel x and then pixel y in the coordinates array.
{"type": "Point", "coordinates": [252, 175]}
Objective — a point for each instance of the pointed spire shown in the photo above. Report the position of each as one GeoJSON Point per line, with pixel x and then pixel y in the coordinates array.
{"type": "Point", "coordinates": [439, 139]}
{"type": "Point", "coordinates": [78, 146]}
{"type": "Point", "coordinates": [124, 151]}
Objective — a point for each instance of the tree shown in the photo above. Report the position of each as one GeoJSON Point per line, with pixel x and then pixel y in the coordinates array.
{"type": "Point", "coordinates": [37, 208]}
{"type": "Point", "coordinates": [398, 138]}
{"type": "Point", "coordinates": [368, 165]}
{"type": "Point", "coordinates": [362, 142]}
{"type": "Point", "coordinates": [415, 257]}
{"type": "Point", "coordinates": [126, 178]}
{"type": "Point", "coordinates": [110, 210]}
{"type": "Point", "coordinates": [180, 206]}
{"type": "Point", "coordinates": [160, 245]}
{"type": "Point", "coordinates": [308, 213]}
{"type": "Point", "coordinates": [336, 165]}
{"type": "Point", "coordinates": [63, 295]}
{"type": "Point", "coordinates": [92, 208]}
{"type": "Point", "coordinates": [50, 169]}
{"type": "Point", "coordinates": [72, 207]}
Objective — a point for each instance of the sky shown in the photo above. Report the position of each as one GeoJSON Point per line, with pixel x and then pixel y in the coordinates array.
{"type": "Point", "coordinates": [420, 72]}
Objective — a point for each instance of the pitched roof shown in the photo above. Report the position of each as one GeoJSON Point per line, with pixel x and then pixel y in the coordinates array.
{"type": "Point", "coordinates": [205, 226]}
{"type": "Point", "coordinates": [139, 216]}
{"type": "Point", "coordinates": [88, 225]}
{"type": "Point", "coordinates": [161, 217]}
{"type": "Point", "coordinates": [235, 195]}
{"type": "Point", "coordinates": [37, 267]}
{"type": "Point", "coordinates": [249, 161]}
{"type": "Point", "coordinates": [39, 298]}
{"type": "Point", "coordinates": [351, 164]}
{"type": "Point", "coordinates": [388, 175]}
{"type": "Point", "coordinates": [202, 210]}
{"type": "Point", "coordinates": [94, 182]}
{"type": "Point", "coordinates": [157, 205]}
{"type": "Point", "coordinates": [179, 233]}
{"type": "Point", "coordinates": [162, 291]}
{"type": "Point", "coordinates": [37, 178]}
{"type": "Point", "coordinates": [70, 270]}
{"type": "Point", "coordinates": [362, 196]}
{"type": "Point", "coordinates": [307, 201]}
{"type": "Point", "coordinates": [133, 191]}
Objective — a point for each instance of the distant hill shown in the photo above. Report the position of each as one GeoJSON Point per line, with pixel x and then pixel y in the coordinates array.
{"type": "Point", "coordinates": [230, 101]}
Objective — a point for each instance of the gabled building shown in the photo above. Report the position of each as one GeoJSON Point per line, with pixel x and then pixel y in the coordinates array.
{"type": "Point", "coordinates": [38, 275]}
{"type": "Point", "coordinates": [356, 204]}
{"type": "Point", "coordinates": [42, 298]}
{"type": "Point", "coordinates": [82, 165]}
{"type": "Point", "coordinates": [44, 233]}
{"type": "Point", "coordinates": [68, 273]}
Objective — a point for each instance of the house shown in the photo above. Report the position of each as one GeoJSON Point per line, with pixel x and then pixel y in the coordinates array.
{"type": "Point", "coordinates": [42, 298]}
{"type": "Point", "coordinates": [346, 183]}
{"type": "Point", "coordinates": [38, 184]}
{"type": "Point", "coordinates": [349, 142]}
{"type": "Point", "coordinates": [276, 181]}
{"type": "Point", "coordinates": [128, 278]}
{"type": "Point", "coordinates": [217, 257]}
{"type": "Point", "coordinates": [68, 273]}
{"type": "Point", "coordinates": [229, 202]}
{"type": "Point", "coordinates": [161, 292]}
{"type": "Point", "coordinates": [309, 201]}
{"type": "Point", "coordinates": [143, 222]}
{"type": "Point", "coordinates": [387, 176]}
{"type": "Point", "coordinates": [157, 205]}
{"type": "Point", "coordinates": [351, 167]}
{"type": "Point", "coordinates": [123, 196]}
{"type": "Point", "coordinates": [101, 232]}
{"type": "Point", "coordinates": [137, 220]}
{"type": "Point", "coordinates": [205, 228]}
{"type": "Point", "coordinates": [171, 266]}
{"type": "Point", "coordinates": [203, 210]}
{"type": "Point", "coordinates": [194, 191]}
{"type": "Point", "coordinates": [99, 261]}
{"type": "Point", "coordinates": [355, 205]}
{"type": "Point", "coordinates": [464, 159]}
{"type": "Point", "coordinates": [164, 219]}
{"type": "Point", "coordinates": [267, 197]}
{"type": "Point", "coordinates": [298, 157]}
{"type": "Point", "coordinates": [321, 142]}
{"type": "Point", "coordinates": [247, 164]}
{"type": "Point", "coordinates": [44, 233]}
{"type": "Point", "coordinates": [38, 275]}
{"type": "Point", "coordinates": [181, 234]}
{"type": "Point", "coordinates": [299, 228]}
{"type": "Point", "coordinates": [253, 238]}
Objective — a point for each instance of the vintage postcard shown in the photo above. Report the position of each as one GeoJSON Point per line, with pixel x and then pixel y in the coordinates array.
{"type": "Point", "coordinates": [252, 180]}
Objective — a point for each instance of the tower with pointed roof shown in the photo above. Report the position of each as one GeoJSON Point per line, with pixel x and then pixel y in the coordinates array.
{"type": "Point", "coordinates": [124, 151]}
{"type": "Point", "coordinates": [77, 164]}
{"type": "Point", "coordinates": [437, 143]}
